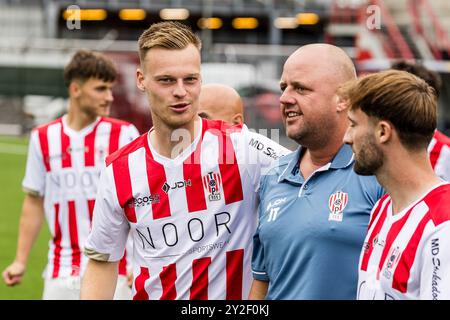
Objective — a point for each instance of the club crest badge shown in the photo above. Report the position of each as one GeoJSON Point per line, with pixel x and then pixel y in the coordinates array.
{"type": "Point", "coordinates": [392, 261]}
{"type": "Point", "coordinates": [337, 203]}
{"type": "Point", "coordinates": [212, 183]}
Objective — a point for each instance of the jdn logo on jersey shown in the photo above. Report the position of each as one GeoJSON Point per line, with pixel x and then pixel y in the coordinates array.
{"type": "Point", "coordinates": [274, 208]}
{"type": "Point", "coordinates": [337, 203]}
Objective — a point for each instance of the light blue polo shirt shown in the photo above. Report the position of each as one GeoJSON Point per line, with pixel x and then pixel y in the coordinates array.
{"type": "Point", "coordinates": [310, 233]}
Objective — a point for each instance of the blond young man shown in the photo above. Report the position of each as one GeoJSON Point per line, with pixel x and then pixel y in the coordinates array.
{"type": "Point", "coordinates": [186, 190]}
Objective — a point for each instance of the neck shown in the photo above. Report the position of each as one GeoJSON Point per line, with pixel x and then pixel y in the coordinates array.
{"type": "Point", "coordinates": [78, 120]}
{"type": "Point", "coordinates": [316, 157]}
{"type": "Point", "coordinates": [407, 179]}
{"type": "Point", "coordinates": [170, 142]}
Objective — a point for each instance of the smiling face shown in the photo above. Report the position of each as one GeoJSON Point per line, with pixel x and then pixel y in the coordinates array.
{"type": "Point", "coordinates": [361, 137]}
{"type": "Point", "coordinates": [93, 96]}
{"type": "Point", "coordinates": [308, 101]}
{"type": "Point", "coordinates": [171, 79]}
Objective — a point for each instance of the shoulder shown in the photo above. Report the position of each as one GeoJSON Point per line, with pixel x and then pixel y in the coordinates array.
{"type": "Point", "coordinates": [127, 149]}
{"type": "Point", "coordinates": [442, 138]}
{"type": "Point", "coordinates": [438, 202]}
{"type": "Point", "coordinates": [278, 167]}
{"type": "Point", "coordinates": [115, 122]}
{"type": "Point", "coordinates": [223, 127]}
{"type": "Point", "coordinates": [45, 126]}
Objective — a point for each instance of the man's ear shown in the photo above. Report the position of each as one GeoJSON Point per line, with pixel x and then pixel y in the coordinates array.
{"type": "Point", "coordinates": [75, 89]}
{"type": "Point", "coordinates": [238, 119]}
{"type": "Point", "coordinates": [384, 131]}
{"type": "Point", "coordinates": [342, 104]}
{"type": "Point", "coordinates": [140, 80]}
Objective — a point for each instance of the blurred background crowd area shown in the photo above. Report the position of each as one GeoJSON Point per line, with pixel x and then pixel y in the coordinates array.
{"type": "Point", "coordinates": [245, 43]}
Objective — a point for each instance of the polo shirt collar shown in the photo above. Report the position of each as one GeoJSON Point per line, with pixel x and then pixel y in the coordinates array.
{"type": "Point", "coordinates": [343, 159]}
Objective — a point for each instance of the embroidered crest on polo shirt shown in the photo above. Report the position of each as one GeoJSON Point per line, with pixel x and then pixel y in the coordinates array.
{"type": "Point", "coordinates": [337, 203]}
{"type": "Point", "coordinates": [212, 183]}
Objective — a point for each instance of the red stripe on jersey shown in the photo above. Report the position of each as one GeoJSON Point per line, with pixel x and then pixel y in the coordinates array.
{"type": "Point", "coordinates": [435, 153]}
{"type": "Point", "coordinates": [199, 288]}
{"type": "Point", "coordinates": [401, 274]}
{"type": "Point", "coordinates": [43, 141]}
{"type": "Point", "coordinates": [377, 210]}
{"type": "Point", "coordinates": [229, 171]}
{"type": "Point", "coordinates": [66, 156]}
{"type": "Point", "coordinates": [368, 251]}
{"type": "Point", "coordinates": [235, 267]}
{"type": "Point", "coordinates": [437, 199]}
{"type": "Point", "coordinates": [139, 284]}
{"type": "Point", "coordinates": [89, 148]}
{"type": "Point", "coordinates": [127, 149]}
{"type": "Point", "coordinates": [57, 244]}
{"type": "Point", "coordinates": [390, 238]}
{"type": "Point", "coordinates": [123, 264]}
{"type": "Point", "coordinates": [168, 276]}
{"type": "Point", "coordinates": [122, 181]}
{"type": "Point", "coordinates": [156, 176]}
{"type": "Point", "coordinates": [195, 193]}
{"type": "Point", "coordinates": [73, 230]}
{"type": "Point", "coordinates": [91, 204]}
{"type": "Point", "coordinates": [228, 167]}
{"type": "Point", "coordinates": [114, 137]}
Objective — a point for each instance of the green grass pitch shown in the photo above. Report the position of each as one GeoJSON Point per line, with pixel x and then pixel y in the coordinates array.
{"type": "Point", "coordinates": [12, 169]}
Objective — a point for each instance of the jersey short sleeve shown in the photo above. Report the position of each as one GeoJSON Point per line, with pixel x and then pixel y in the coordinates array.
{"type": "Point", "coordinates": [110, 228]}
{"type": "Point", "coordinates": [129, 133]}
{"type": "Point", "coordinates": [34, 180]}
{"type": "Point", "coordinates": [435, 274]}
{"type": "Point", "coordinates": [259, 154]}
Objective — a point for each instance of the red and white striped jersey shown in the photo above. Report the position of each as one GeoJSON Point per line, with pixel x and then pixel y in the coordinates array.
{"type": "Point", "coordinates": [64, 166]}
{"type": "Point", "coordinates": [192, 218]}
{"type": "Point", "coordinates": [406, 255]}
{"type": "Point", "coordinates": [439, 151]}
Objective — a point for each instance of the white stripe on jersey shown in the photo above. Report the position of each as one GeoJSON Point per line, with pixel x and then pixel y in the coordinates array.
{"type": "Point", "coordinates": [54, 146]}
{"type": "Point", "coordinates": [102, 142]}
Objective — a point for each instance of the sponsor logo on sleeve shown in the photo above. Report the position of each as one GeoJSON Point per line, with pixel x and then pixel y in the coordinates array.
{"type": "Point", "coordinates": [435, 278]}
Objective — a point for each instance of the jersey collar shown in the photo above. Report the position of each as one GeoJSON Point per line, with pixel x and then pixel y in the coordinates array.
{"type": "Point", "coordinates": [343, 159]}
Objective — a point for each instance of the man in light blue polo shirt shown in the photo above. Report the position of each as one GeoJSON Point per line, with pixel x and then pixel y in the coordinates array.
{"type": "Point", "coordinates": [314, 209]}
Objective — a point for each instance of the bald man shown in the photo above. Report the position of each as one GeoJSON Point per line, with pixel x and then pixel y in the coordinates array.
{"type": "Point", "coordinates": [314, 208]}
{"type": "Point", "coordinates": [221, 102]}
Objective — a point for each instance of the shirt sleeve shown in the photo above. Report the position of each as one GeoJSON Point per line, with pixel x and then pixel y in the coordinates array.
{"type": "Point", "coordinates": [258, 264]}
{"type": "Point", "coordinates": [442, 167]}
{"type": "Point", "coordinates": [435, 272]}
{"type": "Point", "coordinates": [110, 228]}
{"type": "Point", "coordinates": [260, 154]}
{"type": "Point", "coordinates": [128, 134]}
{"type": "Point", "coordinates": [34, 180]}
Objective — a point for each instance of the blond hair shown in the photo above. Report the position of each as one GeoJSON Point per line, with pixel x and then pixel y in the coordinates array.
{"type": "Point", "coordinates": [168, 35]}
